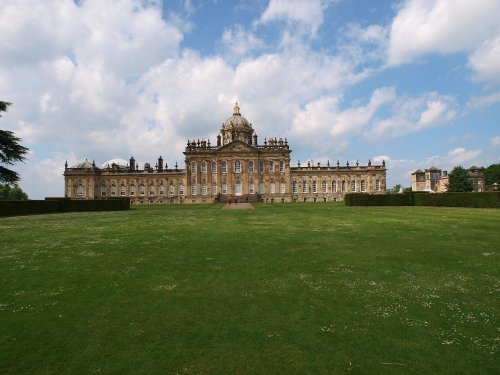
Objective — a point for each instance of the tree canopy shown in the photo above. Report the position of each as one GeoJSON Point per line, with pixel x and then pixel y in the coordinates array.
{"type": "Point", "coordinates": [459, 180]}
{"type": "Point", "coordinates": [492, 176]}
{"type": "Point", "coordinates": [12, 193]}
{"type": "Point", "coordinates": [10, 151]}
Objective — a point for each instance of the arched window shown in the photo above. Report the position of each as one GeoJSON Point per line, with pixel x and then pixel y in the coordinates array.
{"type": "Point", "coordinates": [79, 190]}
{"type": "Point", "coordinates": [272, 188]}
{"type": "Point", "coordinates": [250, 166]}
{"type": "Point", "coordinates": [214, 168]}
{"type": "Point", "coordinates": [132, 190]}
{"type": "Point", "coordinates": [251, 187]}
{"type": "Point", "coordinates": [162, 189]}
{"type": "Point", "coordinates": [122, 190]}
{"type": "Point", "coordinates": [113, 190]}
{"type": "Point", "coordinates": [214, 188]}
{"type": "Point", "coordinates": [334, 186]}
{"type": "Point", "coordinates": [282, 166]}
{"type": "Point", "coordinates": [193, 188]}
{"type": "Point", "coordinates": [237, 166]}
{"type": "Point", "coordinates": [343, 187]}
{"type": "Point", "coordinates": [203, 188]}
{"type": "Point", "coordinates": [224, 188]}
{"type": "Point", "coordinates": [324, 186]}
{"type": "Point", "coordinates": [181, 189]}
{"type": "Point", "coordinates": [363, 186]}
{"type": "Point", "coordinates": [304, 186]}
{"type": "Point", "coordinates": [193, 167]}
{"type": "Point", "coordinates": [151, 190]}
{"type": "Point", "coordinates": [103, 190]}
{"type": "Point", "coordinates": [295, 187]}
{"type": "Point", "coordinates": [223, 166]}
{"type": "Point", "coordinates": [203, 167]}
{"type": "Point", "coordinates": [261, 188]}
{"type": "Point", "coordinates": [171, 189]}
{"type": "Point", "coordinates": [271, 166]}
{"type": "Point", "coordinates": [141, 190]}
{"type": "Point", "coordinates": [315, 187]}
{"type": "Point", "coordinates": [282, 187]}
{"type": "Point", "coordinates": [353, 186]}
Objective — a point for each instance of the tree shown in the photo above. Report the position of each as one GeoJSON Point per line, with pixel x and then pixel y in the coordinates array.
{"type": "Point", "coordinates": [492, 176]}
{"type": "Point", "coordinates": [12, 193]}
{"type": "Point", "coordinates": [396, 189]}
{"type": "Point", "coordinates": [10, 151]}
{"type": "Point", "coordinates": [459, 180]}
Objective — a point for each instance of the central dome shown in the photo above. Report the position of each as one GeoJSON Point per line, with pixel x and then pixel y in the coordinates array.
{"type": "Point", "coordinates": [237, 121]}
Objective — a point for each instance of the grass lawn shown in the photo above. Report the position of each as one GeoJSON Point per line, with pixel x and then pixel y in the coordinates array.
{"type": "Point", "coordinates": [300, 288]}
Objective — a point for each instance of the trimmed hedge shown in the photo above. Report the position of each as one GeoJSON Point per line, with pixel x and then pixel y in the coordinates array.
{"type": "Point", "coordinates": [404, 199]}
{"type": "Point", "coordinates": [54, 205]}
{"type": "Point", "coordinates": [478, 200]}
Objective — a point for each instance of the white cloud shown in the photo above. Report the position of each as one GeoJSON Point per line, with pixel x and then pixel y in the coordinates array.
{"type": "Point", "coordinates": [440, 26]}
{"type": "Point", "coordinates": [485, 61]}
{"type": "Point", "coordinates": [307, 14]}
{"type": "Point", "coordinates": [411, 115]}
{"type": "Point", "coordinates": [239, 42]}
{"type": "Point", "coordinates": [495, 141]}
{"type": "Point", "coordinates": [484, 101]}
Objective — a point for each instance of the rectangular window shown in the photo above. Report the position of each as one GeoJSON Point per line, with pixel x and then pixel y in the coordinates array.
{"type": "Point", "coordinates": [151, 190]}
{"type": "Point", "coordinates": [113, 190]}
{"type": "Point", "coordinates": [122, 190]}
{"type": "Point", "coordinates": [282, 166]}
{"type": "Point", "coordinates": [295, 187]}
{"type": "Point", "coordinates": [141, 190]}
{"type": "Point", "coordinates": [304, 186]}
{"type": "Point", "coordinates": [261, 188]}
{"type": "Point", "coordinates": [203, 189]}
{"type": "Point", "coordinates": [193, 189]}
{"type": "Point", "coordinates": [377, 185]}
{"type": "Point", "coordinates": [271, 166]}
{"type": "Point", "coordinates": [272, 188]}
{"type": "Point", "coordinates": [132, 190]}
{"type": "Point", "coordinates": [103, 191]}
{"type": "Point", "coordinates": [171, 190]}
{"type": "Point", "coordinates": [334, 186]}
{"type": "Point", "coordinates": [323, 186]}
{"type": "Point", "coordinates": [282, 188]}
{"type": "Point", "coordinates": [315, 187]}
{"type": "Point", "coordinates": [214, 189]}
{"type": "Point", "coordinates": [203, 167]}
{"type": "Point", "coordinates": [261, 166]}
{"type": "Point", "coordinates": [214, 168]}
{"type": "Point", "coordinates": [353, 186]}
{"type": "Point", "coordinates": [223, 167]}
{"type": "Point", "coordinates": [237, 166]}
{"type": "Point", "coordinates": [224, 188]}
{"type": "Point", "coordinates": [343, 186]}
{"type": "Point", "coordinates": [250, 166]}
{"type": "Point", "coordinates": [250, 188]}
{"type": "Point", "coordinates": [363, 186]}
{"type": "Point", "coordinates": [181, 189]}
{"type": "Point", "coordinates": [162, 190]}
{"type": "Point", "coordinates": [193, 167]}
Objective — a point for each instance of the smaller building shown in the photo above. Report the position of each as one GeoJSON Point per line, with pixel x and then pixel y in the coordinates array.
{"type": "Point", "coordinates": [435, 180]}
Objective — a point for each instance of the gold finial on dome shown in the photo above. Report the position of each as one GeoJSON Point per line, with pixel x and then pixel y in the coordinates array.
{"type": "Point", "coordinates": [236, 110]}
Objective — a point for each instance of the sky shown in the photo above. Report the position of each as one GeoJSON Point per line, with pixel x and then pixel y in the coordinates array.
{"type": "Point", "coordinates": [413, 82]}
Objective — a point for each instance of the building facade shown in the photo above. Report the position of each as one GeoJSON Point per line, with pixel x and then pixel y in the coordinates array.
{"type": "Point", "coordinates": [436, 181]}
{"type": "Point", "coordinates": [237, 168]}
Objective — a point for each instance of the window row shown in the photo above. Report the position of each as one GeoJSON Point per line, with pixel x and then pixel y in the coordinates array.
{"type": "Point", "coordinates": [335, 186]}
{"type": "Point", "coordinates": [121, 190]}
{"type": "Point", "coordinates": [237, 166]}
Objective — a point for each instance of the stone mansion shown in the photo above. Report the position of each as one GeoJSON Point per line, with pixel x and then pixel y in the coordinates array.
{"type": "Point", "coordinates": [237, 168]}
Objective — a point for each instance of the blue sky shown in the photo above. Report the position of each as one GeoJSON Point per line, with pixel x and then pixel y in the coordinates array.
{"type": "Point", "coordinates": [412, 82]}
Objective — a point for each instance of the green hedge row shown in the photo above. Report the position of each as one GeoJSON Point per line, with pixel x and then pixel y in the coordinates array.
{"type": "Point", "coordinates": [477, 200]}
{"type": "Point", "coordinates": [53, 205]}
{"type": "Point", "coordinates": [481, 200]}
{"type": "Point", "coordinates": [404, 199]}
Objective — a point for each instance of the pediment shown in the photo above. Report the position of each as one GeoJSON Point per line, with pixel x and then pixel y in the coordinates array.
{"type": "Point", "coordinates": [237, 146]}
